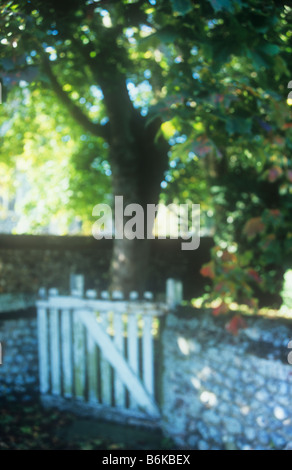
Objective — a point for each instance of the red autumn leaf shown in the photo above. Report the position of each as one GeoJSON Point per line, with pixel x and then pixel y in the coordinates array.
{"type": "Point", "coordinates": [221, 309]}
{"type": "Point", "coordinates": [274, 173]}
{"type": "Point", "coordinates": [235, 324]}
{"type": "Point", "coordinates": [253, 227]}
{"type": "Point", "coordinates": [228, 267]}
{"type": "Point", "coordinates": [289, 175]}
{"type": "Point", "coordinates": [219, 287]}
{"type": "Point", "coordinates": [279, 140]}
{"type": "Point", "coordinates": [268, 241]}
{"type": "Point", "coordinates": [217, 98]}
{"type": "Point", "coordinates": [288, 125]}
{"type": "Point", "coordinates": [252, 303]}
{"type": "Point", "coordinates": [228, 256]}
{"type": "Point", "coordinates": [208, 271]}
{"type": "Point", "coordinates": [255, 276]}
{"type": "Point", "coordinates": [275, 213]}
{"type": "Point", "coordinates": [202, 147]}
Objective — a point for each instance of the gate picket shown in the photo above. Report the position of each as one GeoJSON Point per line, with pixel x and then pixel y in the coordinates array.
{"type": "Point", "coordinates": [55, 352]}
{"type": "Point", "coordinates": [99, 351]}
{"type": "Point", "coordinates": [119, 389]}
{"type": "Point", "coordinates": [148, 356]}
{"type": "Point", "coordinates": [105, 368]}
{"type": "Point", "coordinates": [113, 356]}
{"type": "Point", "coordinates": [133, 351]}
{"type": "Point", "coordinates": [79, 357]}
{"type": "Point", "coordinates": [43, 344]}
{"type": "Point", "coordinates": [92, 360]}
{"type": "Point", "coordinates": [67, 353]}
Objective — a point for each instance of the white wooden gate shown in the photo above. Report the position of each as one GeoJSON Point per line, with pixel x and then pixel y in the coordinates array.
{"type": "Point", "coordinates": [99, 353]}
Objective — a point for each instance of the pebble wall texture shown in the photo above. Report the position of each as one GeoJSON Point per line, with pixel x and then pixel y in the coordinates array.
{"type": "Point", "coordinates": [225, 392]}
{"type": "Point", "coordinates": [30, 262]}
{"type": "Point", "coordinates": [218, 391]}
{"type": "Point", "coordinates": [19, 371]}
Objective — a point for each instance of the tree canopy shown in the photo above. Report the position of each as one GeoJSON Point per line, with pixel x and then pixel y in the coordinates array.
{"type": "Point", "coordinates": [178, 99]}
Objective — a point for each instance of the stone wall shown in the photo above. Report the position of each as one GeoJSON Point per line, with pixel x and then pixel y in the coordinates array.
{"type": "Point", "coordinates": [15, 302]}
{"type": "Point", "coordinates": [19, 371]}
{"type": "Point", "coordinates": [30, 262]}
{"type": "Point", "coordinates": [218, 391]}
{"type": "Point", "coordinates": [226, 392]}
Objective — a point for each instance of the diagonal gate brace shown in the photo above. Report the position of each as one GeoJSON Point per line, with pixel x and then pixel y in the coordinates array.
{"type": "Point", "coordinates": [119, 363]}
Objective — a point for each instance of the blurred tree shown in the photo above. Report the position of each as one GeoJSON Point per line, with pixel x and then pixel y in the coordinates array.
{"type": "Point", "coordinates": [43, 151]}
{"type": "Point", "coordinates": [79, 50]}
{"type": "Point", "coordinates": [208, 78]}
{"type": "Point", "coordinates": [235, 141]}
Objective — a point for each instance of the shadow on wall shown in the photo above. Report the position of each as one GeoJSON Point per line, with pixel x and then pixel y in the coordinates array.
{"type": "Point", "coordinates": [30, 262]}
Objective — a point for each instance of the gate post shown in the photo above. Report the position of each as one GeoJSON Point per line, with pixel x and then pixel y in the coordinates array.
{"type": "Point", "coordinates": [174, 293]}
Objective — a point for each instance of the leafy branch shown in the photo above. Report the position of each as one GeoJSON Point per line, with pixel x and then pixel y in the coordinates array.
{"type": "Point", "coordinates": [74, 110]}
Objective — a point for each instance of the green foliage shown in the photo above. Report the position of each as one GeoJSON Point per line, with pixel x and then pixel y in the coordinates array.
{"type": "Point", "coordinates": [182, 7]}
{"type": "Point", "coordinates": [254, 235]}
{"type": "Point", "coordinates": [219, 5]}
{"type": "Point", "coordinates": [287, 289]}
{"type": "Point", "coordinates": [214, 72]}
{"type": "Point", "coordinates": [45, 152]}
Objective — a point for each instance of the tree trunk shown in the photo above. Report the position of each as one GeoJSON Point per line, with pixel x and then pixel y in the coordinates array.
{"type": "Point", "coordinates": [138, 159]}
{"type": "Point", "coordinates": [137, 172]}
{"type": "Point", "coordinates": [129, 265]}
{"type": "Point", "coordinates": [138, 162]}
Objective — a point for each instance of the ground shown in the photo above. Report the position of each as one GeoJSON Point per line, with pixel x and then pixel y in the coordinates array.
{"type": "Point", "coordinates": [27, 426]}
